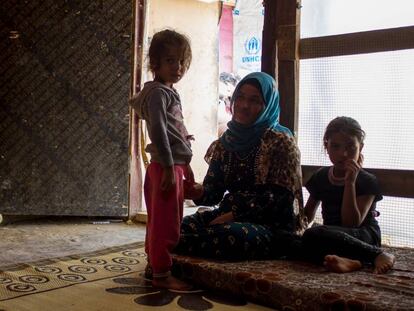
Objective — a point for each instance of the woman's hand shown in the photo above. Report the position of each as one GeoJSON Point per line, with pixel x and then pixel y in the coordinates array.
{"type": "Point", "coordinates": [192, 190]}
{"type": "Point", "coordinates": [227, 217]}
{"type": "Point", "coordinates": [167, 179]}
{"type": "Point", "coordinates": [190, 174]}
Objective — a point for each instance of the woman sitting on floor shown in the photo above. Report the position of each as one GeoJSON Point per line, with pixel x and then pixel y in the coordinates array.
{"type": "Point", "coordinates": [254, 176]}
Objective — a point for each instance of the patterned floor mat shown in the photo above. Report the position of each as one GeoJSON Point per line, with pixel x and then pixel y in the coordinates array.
{"type": "Point", "coordinates": [111, 279]}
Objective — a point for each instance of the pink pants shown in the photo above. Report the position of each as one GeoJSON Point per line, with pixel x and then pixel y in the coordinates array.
{"type": "Point", "coordinates": [165, 213]}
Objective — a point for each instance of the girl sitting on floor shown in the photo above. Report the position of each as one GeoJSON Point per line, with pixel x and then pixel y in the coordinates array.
{"type": "Point", "coordinates": [350, 234]}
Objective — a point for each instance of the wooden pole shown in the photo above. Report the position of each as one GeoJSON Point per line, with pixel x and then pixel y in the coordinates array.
{"type": "Point", "coordinates": [280, 57]}
{"type": "Point", "coordinates": [135, 171]}
{"type": "Point", "coordinates": [269, 59]}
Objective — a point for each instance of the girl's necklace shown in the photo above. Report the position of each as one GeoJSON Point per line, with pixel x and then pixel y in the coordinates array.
{"type": "Point", "coordinates": [336, 181]}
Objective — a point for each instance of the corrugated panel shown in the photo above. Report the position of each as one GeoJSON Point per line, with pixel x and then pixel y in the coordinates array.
{"type": "Point", "coordinates": [65, 80]}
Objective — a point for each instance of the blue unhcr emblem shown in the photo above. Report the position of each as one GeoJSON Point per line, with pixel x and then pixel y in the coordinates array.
{"type": "Point", "coordinates": [252, 45]}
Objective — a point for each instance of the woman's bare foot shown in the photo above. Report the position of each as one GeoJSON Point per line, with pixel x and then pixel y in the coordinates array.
{"type": "Point", "coordinates": [170, 282]}
{"type": "Point", "coordinates": [383, 262]}
{"type": "Point", "coordinates": [341, 264]}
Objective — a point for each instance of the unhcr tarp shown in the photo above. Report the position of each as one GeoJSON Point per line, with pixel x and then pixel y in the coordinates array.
{"type": "Point", "coordinates": [248, 16]}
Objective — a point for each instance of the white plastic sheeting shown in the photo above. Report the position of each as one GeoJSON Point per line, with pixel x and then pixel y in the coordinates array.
{"type": "Point", "coordinates": [248, 17]}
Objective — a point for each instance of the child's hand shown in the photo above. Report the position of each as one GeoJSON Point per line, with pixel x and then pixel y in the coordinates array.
{"type": "Point", "coordinates": [352, 169]}
{"type": "Point", "coordinates": [167, 179]}
{"type": "Point", "coordinates": [361, 159]}
{"type": "Point", "coordinates": [132, 100]}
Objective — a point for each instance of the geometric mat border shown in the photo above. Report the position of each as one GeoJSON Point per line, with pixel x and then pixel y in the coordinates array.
{"type": "Point", "coordinates": [21, 266]}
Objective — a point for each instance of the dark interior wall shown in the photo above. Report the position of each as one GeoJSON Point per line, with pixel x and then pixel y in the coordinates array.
{"type": "Point", "coordinates": [64, 86]}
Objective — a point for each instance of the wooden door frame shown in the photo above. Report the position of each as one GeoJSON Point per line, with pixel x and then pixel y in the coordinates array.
{"type": "Point", "coordinates": [135, 181]}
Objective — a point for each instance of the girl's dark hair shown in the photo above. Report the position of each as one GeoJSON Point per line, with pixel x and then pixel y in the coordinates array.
{"type": "Point", "coordinates": [344, 125]}
{"type": "Point", "coordinates": [165, 39]}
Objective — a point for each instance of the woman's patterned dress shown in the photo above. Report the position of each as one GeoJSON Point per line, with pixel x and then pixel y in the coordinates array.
{"type": "Point", "coordinates": [263, 191]}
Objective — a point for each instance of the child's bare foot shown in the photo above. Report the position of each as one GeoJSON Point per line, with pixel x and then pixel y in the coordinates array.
{"type": "Point", "coordinates": [341, 264]}
{"type": "Point", "coordinates": [383, 262]}
{"type": "Point", "coordinates": [171, 282]}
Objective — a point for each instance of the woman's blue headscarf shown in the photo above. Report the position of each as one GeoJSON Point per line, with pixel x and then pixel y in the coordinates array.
{"type": "Point", "coordinates": [241, 138]}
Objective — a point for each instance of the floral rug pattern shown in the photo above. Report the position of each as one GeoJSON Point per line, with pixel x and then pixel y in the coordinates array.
{"type": "Point", "coordinates": [113, 279]}
{"type": "Point", "coordinates": [289, 285]}
{"type": "Point", "coordinates": [107, 280]}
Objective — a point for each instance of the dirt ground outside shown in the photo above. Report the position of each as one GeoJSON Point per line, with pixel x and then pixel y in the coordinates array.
{"type": "Point", "coordinates": [28, 240]}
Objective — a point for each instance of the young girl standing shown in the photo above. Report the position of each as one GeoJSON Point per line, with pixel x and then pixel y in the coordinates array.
{"type": "Point", "coordinates": [350, 233]}
{"type": "Point", "coordinates": [159, 105]}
